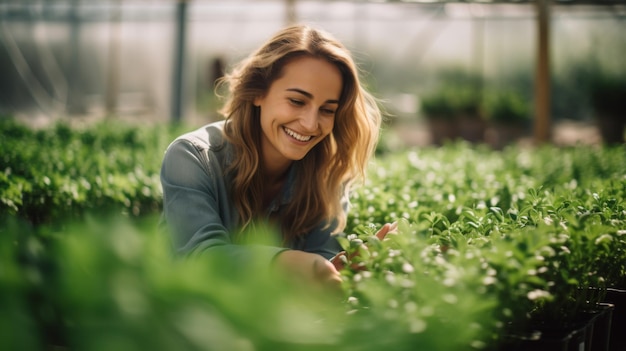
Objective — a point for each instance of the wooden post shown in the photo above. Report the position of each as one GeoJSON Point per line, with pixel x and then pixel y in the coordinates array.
{"type": "Point", "coordinates": [179, 61]}
{"type": "Point", "coordinates": [76, 96]}
{"type": "Point", "coordinates": [290, 12]}
{"type": "Point", "coordinates": [542, 127]}
{"type": "Point", "coordinates": [113, 78]}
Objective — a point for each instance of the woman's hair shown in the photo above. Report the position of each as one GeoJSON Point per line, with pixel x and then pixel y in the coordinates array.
{"type": "Point", "coordinates": [327, 171]}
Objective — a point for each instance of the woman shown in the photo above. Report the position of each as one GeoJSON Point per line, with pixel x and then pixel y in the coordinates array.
{"type": "Point", "coordinates": [298, 130]}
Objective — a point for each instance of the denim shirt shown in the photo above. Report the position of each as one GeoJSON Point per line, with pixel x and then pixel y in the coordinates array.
{"type": "Point", "coordinates": [197, 206]}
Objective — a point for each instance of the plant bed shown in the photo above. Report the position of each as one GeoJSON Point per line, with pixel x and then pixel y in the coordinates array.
{"type": "Point", "coordinates": [485, 238]}
{"type": "Point", "coordinates": [591, 332]}
{"type": "Point", "coordinates": [547, 340]}
{"type": "Point", "coordinates": [602, 326]}
{"type": "Point", "coordinates": [617, 297]}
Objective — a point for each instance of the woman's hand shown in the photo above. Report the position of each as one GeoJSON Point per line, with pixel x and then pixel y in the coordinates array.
{"type": "Point", "coordinates": [309, 268]}
{"type": "Point", "coordinates": [317, 271]}
{"type": "Point", "coordinates": [388, 228]}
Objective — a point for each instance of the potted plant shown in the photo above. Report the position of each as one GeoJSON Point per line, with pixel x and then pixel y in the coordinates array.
{"type": "Point", "coordinates": [453, 112]}
{"type": "Point", "coordinates": [439, 113]}
{"type": "Point", "coordinates": [608, 102]}
{"type": "Point", "coordinates": [507, 114]}
{"type": "Point", "coordinates": [466, 104]}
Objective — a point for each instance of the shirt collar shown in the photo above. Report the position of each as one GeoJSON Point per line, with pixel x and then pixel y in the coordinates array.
{"type": "Point", "coordinates": [286, 194]}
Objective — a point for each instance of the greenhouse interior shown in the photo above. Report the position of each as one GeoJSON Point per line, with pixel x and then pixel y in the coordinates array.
{"type": "Point", "coordinates": [499, 161]}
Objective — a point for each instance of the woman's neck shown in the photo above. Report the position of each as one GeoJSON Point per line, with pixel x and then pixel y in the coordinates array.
{"type": "Point", "coordinates": [275, 173]}
{"type": "Point", "coordinates": [275, 177]}
{"type": "Point", "coordinates": [272, 186]}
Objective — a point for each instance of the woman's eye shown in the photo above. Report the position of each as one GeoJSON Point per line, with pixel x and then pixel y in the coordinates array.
{"type": "Point", "coordinates": [328, 111]}
{"type": "Point", "coordinates": [296, 102]}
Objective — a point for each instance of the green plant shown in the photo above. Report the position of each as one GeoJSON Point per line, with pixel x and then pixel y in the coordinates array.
{"type": "Point", "coordinates": [488, 242]}
{"type": "Point", "coordinates": [547, 220]}
{"type": "Point", "coordinates": [106, 166]}
{"type": "Point", "coordinates": [609, 107]}
{"type": "Point", "coordinates": [607, 94]}
{"type": "Point", "coordinates": [451, 100]}
{"type": "Point", "coordinates": [416, 293]}
{"type": "Point", "coordinates": [437, 105]}
{"type": "Point", "coordinates": [505, 107]}
{"type": "Point", "coordinates": [18, 327]}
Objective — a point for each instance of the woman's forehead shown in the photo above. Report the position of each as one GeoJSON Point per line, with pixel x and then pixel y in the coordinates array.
{"type": "Point", "coordinates": [314, 77]}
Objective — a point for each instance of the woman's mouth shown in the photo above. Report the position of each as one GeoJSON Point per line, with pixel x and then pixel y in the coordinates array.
{"type": "Point", "coordinates": [297, 136]}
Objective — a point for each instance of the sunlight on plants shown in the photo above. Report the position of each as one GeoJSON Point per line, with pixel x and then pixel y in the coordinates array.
{"type": "Point", "coordinates": [489, 243]}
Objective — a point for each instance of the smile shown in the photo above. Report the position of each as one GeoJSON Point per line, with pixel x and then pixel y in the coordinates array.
{"type": "Point", "coordinates": [297, 136]}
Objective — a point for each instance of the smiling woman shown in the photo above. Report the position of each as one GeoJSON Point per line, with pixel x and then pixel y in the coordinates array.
{"type": "Point", "coordinates": [298, 131]}
{"type": "Point", "coordinates": [297, 112]}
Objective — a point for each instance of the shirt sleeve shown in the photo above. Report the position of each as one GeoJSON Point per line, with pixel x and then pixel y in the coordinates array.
{"type": "Point", "coordinates": [196, 207]}
{"type": "Point", "coordinates": [322, 241]}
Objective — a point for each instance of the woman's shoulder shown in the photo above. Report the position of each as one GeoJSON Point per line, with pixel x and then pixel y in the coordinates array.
{"type": "Point", "coordinates": [209, 136]}
{"type": "Point", "coordinates": [207, 140]}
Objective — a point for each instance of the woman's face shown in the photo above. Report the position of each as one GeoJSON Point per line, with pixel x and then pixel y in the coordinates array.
{"type": "Point", "coordinates": [298, 110]}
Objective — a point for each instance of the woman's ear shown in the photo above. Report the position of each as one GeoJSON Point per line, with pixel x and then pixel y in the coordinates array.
{"type": "Point", "coordinates": [257, 101]}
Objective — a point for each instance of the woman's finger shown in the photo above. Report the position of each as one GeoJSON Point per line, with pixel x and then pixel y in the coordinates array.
{"type": "Point", "coordinates": [393, 228]}
{"type": "Point", "coordinates": [339, 260]}
{"type": "Point", "coordinates": [326, 274]}
{"type": "Point", "coordinates": [382, 232]}
{"type": "Point", "coordinates": [386, 229]}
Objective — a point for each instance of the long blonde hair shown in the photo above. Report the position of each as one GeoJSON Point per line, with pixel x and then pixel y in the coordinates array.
{"type": "Point", "coordinates": [324, 175]}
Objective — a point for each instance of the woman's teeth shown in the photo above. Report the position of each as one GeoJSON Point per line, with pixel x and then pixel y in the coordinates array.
{"type": "Point", "coordinates": [297, 136]}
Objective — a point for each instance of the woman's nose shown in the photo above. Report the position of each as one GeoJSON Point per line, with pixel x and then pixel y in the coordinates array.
{"type": "Point", "coordinates": [308, 120]}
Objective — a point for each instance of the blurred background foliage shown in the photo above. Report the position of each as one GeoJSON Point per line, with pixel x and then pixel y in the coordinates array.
{"type": "Point", "coordinates": [120, 58]}
{"type": "Point", "coordinates": [485, 236]}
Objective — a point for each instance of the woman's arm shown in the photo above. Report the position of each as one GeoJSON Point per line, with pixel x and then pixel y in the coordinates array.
{"type": "Point", "coordinates": [309, 268]}
{"type": "Point", "coordinates": [196, 206]}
